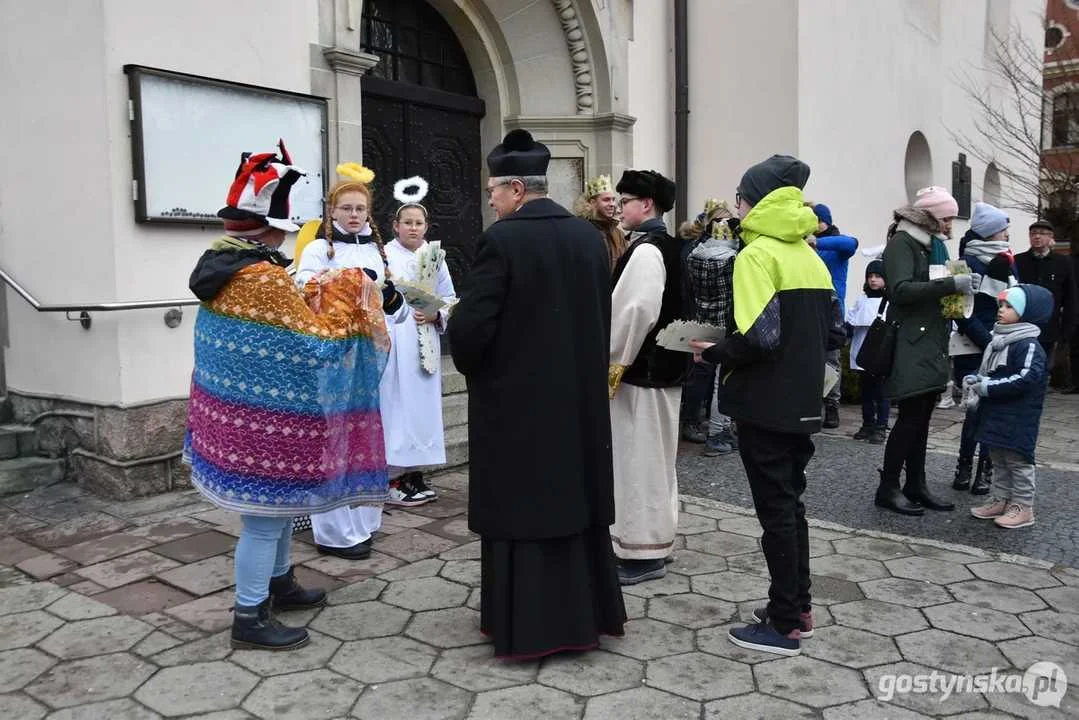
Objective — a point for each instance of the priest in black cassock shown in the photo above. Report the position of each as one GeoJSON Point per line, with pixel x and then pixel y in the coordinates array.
{"type": "Point", "coordinates": [531, 334]}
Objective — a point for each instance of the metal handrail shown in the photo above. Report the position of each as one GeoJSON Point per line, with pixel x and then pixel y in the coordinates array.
{"type": "Point", "coordinates": [172, 318]}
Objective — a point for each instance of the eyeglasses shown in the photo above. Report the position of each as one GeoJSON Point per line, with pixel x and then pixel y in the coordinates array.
{"type": "Point", "coordinates": [623, 200]}
{"type": "Point", "coordinates": [352, 209]}
{"type": "Point", "coordinates": [737, 199]}
{"type": "Point", "coordinates": [491, 188]}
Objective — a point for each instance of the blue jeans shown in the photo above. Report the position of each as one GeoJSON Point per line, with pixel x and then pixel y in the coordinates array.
{"type": "Point", "coordinates": [261, 553]}
{"type": "Point", "coordinates": [963, 365]}
{"type": "Point", "coordinates": [875, 407]}
{"type": "Point", "coordinates": [697, 392]}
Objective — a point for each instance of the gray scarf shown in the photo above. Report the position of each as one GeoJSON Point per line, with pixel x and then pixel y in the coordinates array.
{"type": "Point", "coordinates": [996, 352]}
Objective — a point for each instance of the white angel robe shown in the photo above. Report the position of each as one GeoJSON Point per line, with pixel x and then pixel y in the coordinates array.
{"type": "Point", "coordinates": [644, 421]}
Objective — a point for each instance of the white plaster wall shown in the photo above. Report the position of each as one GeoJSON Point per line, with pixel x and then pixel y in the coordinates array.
{"type": "Point", "coordinates": [55, 205]}
{"type": "Point", "coordinates": [651, 86]}
{"type": "Point", "coordinates": [540, 57]}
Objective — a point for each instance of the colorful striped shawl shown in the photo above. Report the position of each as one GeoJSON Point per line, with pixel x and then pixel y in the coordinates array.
{"type": "Point", "coordinates": [283, 418]}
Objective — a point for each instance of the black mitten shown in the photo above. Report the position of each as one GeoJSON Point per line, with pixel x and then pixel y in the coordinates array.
{"type": "Point", "coordinates": [391, 299]}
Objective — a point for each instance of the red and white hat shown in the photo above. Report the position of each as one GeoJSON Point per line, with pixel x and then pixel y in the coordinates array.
{"type": "Point", "coordinates": [261, 189]}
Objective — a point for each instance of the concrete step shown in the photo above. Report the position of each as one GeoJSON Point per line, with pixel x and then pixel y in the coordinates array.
{"type": "Point", "coordinates": [454, 410]}
{"type": "Point", "coordinates": [453, 382]}
{"type": "Point", "coordinates": [22, 474]}
{"type": "Point", "coordinates": [17, 441]}
{"type": "Point", "coordinates": [456, 447]}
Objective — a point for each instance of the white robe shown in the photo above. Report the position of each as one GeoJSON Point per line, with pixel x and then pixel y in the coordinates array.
{"type": "Point", "coordinates": [644, 421]}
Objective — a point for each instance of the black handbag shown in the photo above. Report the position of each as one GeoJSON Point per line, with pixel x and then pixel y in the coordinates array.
{"type": "Point", "coordinates": [877, 353]}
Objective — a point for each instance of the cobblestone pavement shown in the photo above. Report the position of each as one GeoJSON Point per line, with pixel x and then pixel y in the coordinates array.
{"type": "Point", "coordinates": [119, 611]}
{"type": "Point", "coordinates": [843, 478]}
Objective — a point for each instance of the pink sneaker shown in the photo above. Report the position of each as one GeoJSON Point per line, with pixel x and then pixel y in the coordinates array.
{"type": "Point", "coordinates": [992, 509]}
{"type": "Point", "coordinates": [1017, 515]}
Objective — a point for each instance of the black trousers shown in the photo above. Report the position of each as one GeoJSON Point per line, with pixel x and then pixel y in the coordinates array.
{"type": "Point", "coordinates": [775, 463]}
{"type": "Point", "coordinates": [908, 439]}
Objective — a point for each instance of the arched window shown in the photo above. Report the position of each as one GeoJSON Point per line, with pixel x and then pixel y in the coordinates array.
{"type": "Point", "coordinates": [918, 165]}
{"type": "Point", "coordinates": [416, 46]}
{"type": "Point", "coordinates": [1066, 119]}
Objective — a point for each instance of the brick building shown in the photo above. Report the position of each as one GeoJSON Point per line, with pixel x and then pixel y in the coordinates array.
{"type": "Point", "coordinates": [1060, 136]}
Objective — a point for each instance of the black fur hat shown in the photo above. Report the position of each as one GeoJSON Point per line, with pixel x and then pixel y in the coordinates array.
{"type": "Point", "coordinates": [649, 184]}
{"type": "Point", "coordinates": [518, 155]}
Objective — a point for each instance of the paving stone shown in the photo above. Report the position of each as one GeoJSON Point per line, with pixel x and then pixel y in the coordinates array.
{"type": "Point", "coordinates": [670, 584]}
{"type": "Point", "coordinates": [831, 590]}
{"type": "Point", "coordinates": [46, 565]}
{"type": "Point", "coordinates": [76, 530]}
{"type": "Point", "coordinates": [178, 629]}
{"type": "Point", "coordinates": [199, 688]}
{"type": "Point", "coordinates": [361, 591]}
{"type": "Point", "coordinates": [105, 548]}
{"type": "Point", "coordinates": [236, 714]}
{"type": "Point", "coordinates": [636, 607]}
{"type": "Point", "coordinates": [721, 543]}
{"type": "Point", "coordinates": [33, 596]}
{"type": "Point", "coordinates": [21, 707]}
{"type": "Point", "coordinates": [404, 519]}
{"type": "Point", "coordinates": [1063, 599]}
{"type": "Point", "coordinates": [756, 706]}
{"type": "Point", "coordinates": [1068, 576]}
{"type": "Point", "coordinates": [14, 551]}
{"type": "Point", "coordinates": [224, 521]}
{"type": "Point", "coordinates": [872, 548]}
{"type": "Point", "coordinates": [641, 704]}
{"type": "Point", "coordinates": [154, 643]}
{"type": "Point", "coordinates": [197, 547]}
{"type": "Point", "coordinates": [691, 610]}
{"type": "Point", "coordinates": [1005, 598]}
{"type": "Point", "coordinates": [731, 586]}
{"type": "Point", "coordinates": [108, 676]}
{"type": "Point", "coordinates": [715, 641]}
{"type": "Point", "coordinates": [469, 551]}
{"type": "Point", "coordinates": [689, 524]}
{"type": "Point", "coordinates": [454, 528]}
{"type": "Point", "coordinates": [425, 698]}
{"type": "Point", "coordinates": [931, 551]}
{"type": "Point", "coordinates": [871, 710]}
{"type": "Point", "coordinates": [203, 650]}
{"type": "Point", "coordinates": [648, 639]}
{"type": "Point", "coordinates": [86, 638]}
{"type": "Point", "coordinates": [949, 651]}
{"type": "Point", "coordinates": [1054, 625]}
{"type": "Point", "coordinates": [411, 545]}
{"type": "Point", "coordinates": [700, 676]}
{"type": "Point", "coordinates": [976, 621]}
{"type": "Point", "coordinates": [531, 702]}
{"type": "Point", "coordinates": [1012, 574]}
{"type": "Point", "coordinates": [19, 667]}
{"type": "Point", "coordinates": [311, 695]}
{"type": "Point", "coordinates": [931, 570]}
{"type": "Point", "coordinates": [852, 648]}
{"type": "Point", "coordinates": [820, 548]}
{"type": "Point", "coordinates": [382, 660]}
{"type": "Point", "coordinates": [126, 569]}
{"type": "Point", "coordinates": [124, 709]}
{"type": "Point", "coordinates": [202, 577]}
{"type": "Point", "coordinates": [1024, 652]}
{"type": "Point", "coordinates": [696, 508]}
{"type": "Point", "coordinates": [86, 587]}
{"type": "Point", "coordinates": [883, 684]}
{"type": "Point", "coordinates": [168, 530]}
{"type": "Point", "coordinates": [426, 593]}
{"type": "Point", "coordinates": [312, 656]}
{"type": "Point", "coordinates": [450, 628]}
{"type": "Point", "coordinates": [848, 567]}
{"type": "Point", "coordinates": [143, 597]}
{"type": "Point", "coordinates": [747, 525]}
{"type": "Point", "coordinates": [78, 607]}
{"type": "Point", "coordinates": [358, 621]}
{"type": "Point", "coordinates": [466, 572]}
{"type": "Point", "coordinates": [750, 563]}
{"type": "Point", "coordinates": [1017, 704]}
{"type": "Point", "coordinates": [420, 569]}
{"type": "Point", "coordinates": [827, 534]}
{"type": "Point", "coordinates": [809, 681]}
{"type": "Point", "coordinates": [903, 591]}
{"type": "Point", "coordinates": [26, 628]}
{"type": "Point", "coordinates": [475, 668]}
{"type": "Point", "coordinates": [592, 673]}
{"type": "Point", "coordinates": [210, 614]}
{"type": "Point", "coordinates": [879, 617]}
{"type": "Point", "coordinates": [351, 570]}
{"type": "Point", "coordinates": [475, 600]}
{"type": "Point", "coordinates": [691, 562]}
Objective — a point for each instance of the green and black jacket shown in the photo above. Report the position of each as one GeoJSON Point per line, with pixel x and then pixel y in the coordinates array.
{"type": "Point", "coordinates": [787, 317]}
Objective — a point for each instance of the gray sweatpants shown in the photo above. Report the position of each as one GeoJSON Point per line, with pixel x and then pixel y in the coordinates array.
{"type": "Point", "coordinates": [1013, 476]}
{"type": "Point", "coordinates": [832, 398]}
{"type": "Point", "coordinates": [718, 423]}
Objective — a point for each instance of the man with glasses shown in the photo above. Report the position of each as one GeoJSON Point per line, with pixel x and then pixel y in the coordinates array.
{"type": "Point", "coordinates": [530, 334]}
{"type": "Point", "coordinates": [645, 379]}
{"type": "Point", "coordinates": [1041, 266]}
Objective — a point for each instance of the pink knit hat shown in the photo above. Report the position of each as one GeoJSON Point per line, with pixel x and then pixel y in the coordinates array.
{"type": "Point", "coordinates": [938, 202]}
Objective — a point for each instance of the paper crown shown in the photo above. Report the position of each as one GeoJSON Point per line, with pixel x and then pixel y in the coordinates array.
{"type": "Point", "coordinates": [261, 188]}
{"type": "Point", "coordinates": [598, 185]}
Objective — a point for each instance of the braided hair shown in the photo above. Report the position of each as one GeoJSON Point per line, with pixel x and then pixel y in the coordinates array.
{"type": "Point", "coordinates": [336, 191]}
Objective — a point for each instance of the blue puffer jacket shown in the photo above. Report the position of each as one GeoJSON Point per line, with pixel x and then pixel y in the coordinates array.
{"type": "Point", "coordinates": [1010, 412]}
{"type": "Point", "coordinates": [836, 250]}
{"type": "Point", "coordinates": [979, 326]}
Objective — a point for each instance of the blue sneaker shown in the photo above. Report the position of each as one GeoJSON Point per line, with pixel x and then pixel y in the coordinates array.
{"type": "Point", "coordinates": [765, 638]}
{"type": "Point", "coordinates": [716, 445]}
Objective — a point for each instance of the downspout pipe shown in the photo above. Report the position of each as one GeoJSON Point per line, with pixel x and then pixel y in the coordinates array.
{"type": "Point", "coordinates": [681, 110]}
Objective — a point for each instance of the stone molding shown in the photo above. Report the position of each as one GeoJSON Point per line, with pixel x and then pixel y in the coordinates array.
{"type": "Point", "coordinates": [572, 123]}
{"type": "Point", "coordinates": [579, 55]}
{"type": "Point", "coordinates": [350, 62]}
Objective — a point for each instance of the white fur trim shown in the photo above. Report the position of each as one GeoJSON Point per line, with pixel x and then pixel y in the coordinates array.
{"type": "Point", "coordinates": [401, 186]}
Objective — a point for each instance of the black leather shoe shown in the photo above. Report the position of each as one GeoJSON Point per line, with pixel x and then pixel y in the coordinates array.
{"type": "Point", "coordinates": [983, 478]}
{"type": "Point", "coordinates": [254, 628]}
{"type": "Point", "coordinates": [892, 499]}
{"type": "Point", "coordinates": [831, 417]}
{"type": "Point", "coordinates": [922, 496]}
{"type": "Point", "coordinates": [287, 594]}
{"type": "Point", "coordinates": [359, 551]}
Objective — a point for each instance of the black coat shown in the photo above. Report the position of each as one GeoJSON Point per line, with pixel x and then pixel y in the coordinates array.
{"type": "Point", "coordinates": [1056, 274]}
{"type": "Point", "coordinates": [531, 334]}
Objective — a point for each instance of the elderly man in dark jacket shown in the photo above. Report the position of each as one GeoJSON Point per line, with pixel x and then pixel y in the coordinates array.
{"type": "Point", "coordinates": [531, 335]}
{"type": "Point", "coordinates": [1041, 266]}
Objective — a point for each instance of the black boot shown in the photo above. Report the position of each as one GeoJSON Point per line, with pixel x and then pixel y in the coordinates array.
{"type": "Point", "coordinates": [962, 474]}
{"type": "Point", "coordinates": [983, 478]}
{"type": "Point", "coordinates": [255, 628]}
{"type": "Point", "coordinates": [917, 491]}
{"type": "Point", "coordinates": [890, 498]}
{"type": "Point", "coordinates": [286, 594]}
{"type": "Point", "coordinates": [831, 417]}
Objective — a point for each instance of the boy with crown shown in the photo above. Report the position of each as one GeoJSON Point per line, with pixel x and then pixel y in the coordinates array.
{"type": "Point", "coordinates": [598, 204]}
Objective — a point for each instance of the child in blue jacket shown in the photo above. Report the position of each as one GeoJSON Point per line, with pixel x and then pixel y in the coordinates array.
{"type": "Point", "coordinates": [1009, 393]}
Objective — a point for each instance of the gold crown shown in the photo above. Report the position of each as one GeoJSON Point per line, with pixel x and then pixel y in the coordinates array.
{"type": "Point", "coordinates": [722, 231]}
{"type": "Point", "coordinates": [597, 185]}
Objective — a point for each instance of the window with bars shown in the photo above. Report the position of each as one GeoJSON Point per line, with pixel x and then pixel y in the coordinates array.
{"type": "Point", "coordinates": [416, 46]}
{"type": "Point", "coordinates": [1066, 119]}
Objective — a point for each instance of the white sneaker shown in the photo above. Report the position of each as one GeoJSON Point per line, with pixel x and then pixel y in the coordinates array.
{"type": "Point", "coordinates": [405, 497]}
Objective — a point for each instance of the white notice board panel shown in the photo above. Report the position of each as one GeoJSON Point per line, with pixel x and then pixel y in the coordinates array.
{"type": "Point", "coordinates": [188, 133]}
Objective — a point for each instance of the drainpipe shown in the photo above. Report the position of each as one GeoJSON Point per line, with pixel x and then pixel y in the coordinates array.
{"type": "Point", "coordinates": [681, 110]}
